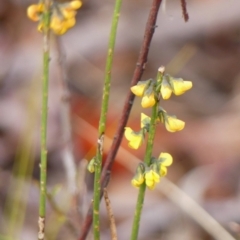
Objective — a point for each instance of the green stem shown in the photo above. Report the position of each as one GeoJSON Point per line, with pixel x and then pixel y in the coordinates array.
{"type": "Point", "coordinates": [147, 160]}
{"type": "Point", "coordinates": [102, 121]}
{"type": "Point", "coordinates": [43, 165]}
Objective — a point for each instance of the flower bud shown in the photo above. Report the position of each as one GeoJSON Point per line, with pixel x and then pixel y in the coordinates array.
{"type": "Point", "coordinates": [91, 165]}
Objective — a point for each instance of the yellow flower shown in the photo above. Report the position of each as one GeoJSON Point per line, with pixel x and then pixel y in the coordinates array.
{"type": "Point", "coordinates": [148, 100]}
{"type": "Point", "coordinates": [68, 13]}
{"type": "Point", "coordinates": [62, 15]}
{"type": "Point", "coordinates": [151, 178]}
{"type": "Point", "coordinates": [34, 11]}
{"type": "Point", "coordinates": [180, 86]}
{"type": "Point", "coordinates": [139, 176]}
{"type": "Point", "coordinates": [173, 124]}
{"type": "Point", "coordinates": [75, 4]}
{"type": "Point", "coordinates": [165, 160]}
{"type": "Point", "coordinates": [176, 85]}
{"type": "Point", "coordinates": [138, 89]}
{"type": "Point", "coordinates": [166, 89]}
{"type": "Point", "coordinates": [137, 181]}
{"type": "Point", "coordinates": [135, 138]}
{"type": "Point", "coordinates": [145, 120]}
{"type": "Point", "coordinates": [70, 22]}
{"type": "Point", "coordinates": [57, 25]}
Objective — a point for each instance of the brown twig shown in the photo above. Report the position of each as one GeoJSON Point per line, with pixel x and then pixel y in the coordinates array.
{"type": "Point", "coordinates": [110, 215]}
{"type": "Point", "coordinates": [184, 10]}
{"type": "Point", "coordinates": [140, 67]}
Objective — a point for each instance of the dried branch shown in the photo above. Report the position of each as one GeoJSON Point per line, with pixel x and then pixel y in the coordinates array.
{"type": "Point", "coordinates": [184, 10]}
{"type": "Point", "coordinates": [110, 215]}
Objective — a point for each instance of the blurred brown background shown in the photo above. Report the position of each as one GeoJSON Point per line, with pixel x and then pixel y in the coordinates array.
{"type": "Point", "coordinates": [205, 50]}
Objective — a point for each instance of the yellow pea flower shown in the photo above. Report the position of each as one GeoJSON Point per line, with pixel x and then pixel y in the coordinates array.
{"type": "Point", "coordinates": [165, 158]}
{"type": "Point", "coordinates": [145, 120]}
{"type": "Point", "coordinates": [148, 100]}
{"type": "Point", "coordinates": [62, 15]}
{"type": "Point", "coordinates": [68, 13]}
{"type": "Point", "coordinates": [75, 4]}
{"type": "Point", "coordinates": [176, 85]}
{"type": "Point", "coordinates": [166, 89]}
{"type": "Point", "coordinates": [150, 184]}
{"type": "Point", "coordinates": [34, 11]}
{"type": "Point", "coordinates": [57, 25]}
{"type": "Point", "coordinates": [68, 23]}
{"type": "Point", "coordinates": [56, 22]}
{"type": "Point", "coordinates": [138, 90]}
{"type": "Point", "coordinates": [165, 161]}
{"type": "Point", "coordinates": [138, 180]}
{"type": "Point", "coordinates": [173, 124]}
{"type": "Point", "coordinates": [151, 178]}
{"type": "Point", "coordinates": [139, 176]}
{"type": "Point", "coordinates": [180, 86]}
{"type": "Point", "coordinates": [135, 138]}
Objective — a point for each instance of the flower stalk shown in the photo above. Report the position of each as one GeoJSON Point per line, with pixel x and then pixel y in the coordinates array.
{"type": "Point", "coordinates": [102, 121]}
{"type": "Point", "coordinates": [147, 161]}
{"type": "Point", "coordinates": [43, 164]}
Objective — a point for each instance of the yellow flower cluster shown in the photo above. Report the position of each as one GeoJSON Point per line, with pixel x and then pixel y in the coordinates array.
{"type": "Point", "coordinates": [148, 89]}
{"type": "Point", "coordinates": [151, 91]}
{"type": "Point", "coordinates": [172, 124]}
{"type": "Point", "coordinates": [176, 85]}
{"type": "Point", "coordinates": [145, 89]}
{"type": "Point", "coordinates": [62, 15]}
{"type": "Point", "coordinates": [151, 175]}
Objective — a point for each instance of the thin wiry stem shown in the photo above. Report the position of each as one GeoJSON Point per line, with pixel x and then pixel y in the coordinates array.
{"type": "Point", "coordinates": [102, 121]}
{"type": "Point", "coordinates": [43, 165]}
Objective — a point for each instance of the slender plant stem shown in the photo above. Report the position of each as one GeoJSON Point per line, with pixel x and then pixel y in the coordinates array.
{"type": "Point", "coordinates": [43, 165]}
{"type": "Point", "coordinates": [138, 72]}
{"type": "Point", "coordinates": [102, 121]}
{"type": "Point", "coordinates": [147, 160]}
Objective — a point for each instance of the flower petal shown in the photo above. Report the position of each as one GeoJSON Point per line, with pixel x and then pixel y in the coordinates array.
{"type": "Point", "coordinates": [34, 11]}
{"type": "Point", "coordinates": [156, 177]}
{"type": "Point", "coordinates": [150, 184]}
{"type": "Point", "coordinates": [139, 89]}
{"type": "Point", "coordinates": [75, 4]}
{"type": "Point", "coordinates": [180, 86]}
{"type": "Point", "coordinates": [148, 100]}
{"type": "Point", "coordinates": [135, 183]}
{"type": "Point", "coordinates": [166, 90]}
{"type": "Point", "coordinates": [165, 159]}
{"type": "Point", "coordinates": [128, 133]}
{"type": "Point", "coordinates": [173, 124]}
{"type": "Point", "coordinates": [163, 171]}
{"type": "Point", "coordinates": [135, 139]}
